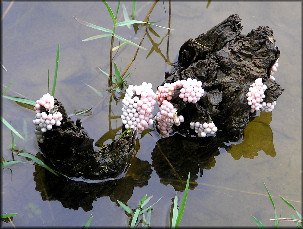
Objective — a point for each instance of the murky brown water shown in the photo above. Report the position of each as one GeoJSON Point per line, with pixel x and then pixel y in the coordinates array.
{"type": "Point", "coordinates": [230, 189]}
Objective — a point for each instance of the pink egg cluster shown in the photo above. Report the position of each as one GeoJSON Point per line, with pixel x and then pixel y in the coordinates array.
{"type": "Point", "coordinates": [273, 69]}
{"type": "Point", "coordinates": [45, 120]}
{"type": "Point", "coordinates": [256, 95]}
{"type": "Point", "coordinates": [267, 107]}
{"type": "Point", "coordinates": [191, 91]}
{"type": "Point", "coordinates": [203, 129]}
{"type": "Point", "coordinates": [167, 117]}
{"type": "Point", "coordinates": [138, 105]}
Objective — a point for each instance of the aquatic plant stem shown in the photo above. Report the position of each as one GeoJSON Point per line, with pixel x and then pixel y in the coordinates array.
{"type": "Point", "coordinates": [168, 33]}
{"type": "Point", "coordinates": [145, 20]}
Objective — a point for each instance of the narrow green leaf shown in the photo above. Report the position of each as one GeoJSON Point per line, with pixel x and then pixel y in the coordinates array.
{"type": "Point", "coordinates": [105, 73]}
{"type": "Point", "coordinates": [129, 42]}
{"type": "Point", "coordinates": [126, 208]}
{"type": "Point", "coordinates": [110, 11]}
{"type": "Point", "coordinates": [273, 204]}
{"type": "Point", "coordinates": [118, 6]}
{"type": "Point", "coordinates": [56, 71]}
{"type": "Point", "coordinates": [135, 217]}
{"type": "Point", "coordinates": [181, 210]}
{"type": "Point", "coordinates": [129, 22]}
{"type": "Point", "coordinates": [258, 222]}
{"type": "Point", "coordinates": [117, 75]}
{"type": "Point", "coordinates": [95, 90]}
{"type": "Point", "coordinates": [119, 46]}
{"type": "Point", "coordinates": [299, 225]}
{"type": "Point", "coordinates": [10, 83]}
{"type": "Point", "coordinates": [88, 221]}
{"type": "Point", "coordinates": [93, 26]}
{"type": "Point", "coordinates": [9, 126]}
{"type": "Point", "coordinates": [4, 216]}
{"type": "Point", "coordinates": [38, 161]}
{"type": "Point", "coordinates": [146, 201]}
{"type": "Point", "coordinates": [153, 31]}
{"type": "Point", "coordinates": [20, 100]}
{"type": "Point", "coordinates": [13, 140]}
{"type": "Point", "coordinates": [290, 205]}
{"type": "Point", "coordinates": [9, 163]}
{"type": "Point", "coordinates": [142, 200]}
{"type": "Point", "coordinates": [83, 112]}
{"type": "Point", "coordinates": [97, 37]}
{"type": "Point", "coordinates": [125, 14]}
{"type": "Point", "coordinates": [175, 212]}
{"type": "Point", "coordinates": [134, 8]}
{"type": "Point", "coordinates": [146, 209]}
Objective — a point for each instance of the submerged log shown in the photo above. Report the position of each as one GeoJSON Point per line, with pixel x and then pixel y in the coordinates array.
{"type": "Point", "coordinates": [227, 63]}
{"type": "Point", "coordinates": [224, 60]}
{"type": "Point", "coordinates": [70, 150]}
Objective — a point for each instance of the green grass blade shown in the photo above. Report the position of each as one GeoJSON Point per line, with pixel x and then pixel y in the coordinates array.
{"type": "Point", "coordinates": [258, 222]}
{"type": "Point", "coordinates": [95, 90]}
{"type": "Point", "coordinates": [117, 75]}
{"type": "Point", "coordinates": [93, 26]}
{"type": "Point", "coordinates": [142, 200]}
{"type": "Point", "coordinates": [110, 11]}
{"type": "Point", "coordinates": [13, 140]}
{"type": "Point", "coordinates": [148, 217]}
{"type": "Point", "coordinates": [181, 210]}
{"type": "Point", "coordinates": [119, 46]}
{"type": "Point", "coordinates": [10, 83]}
{"type": "Point", "coordinates": [118, 6]}
{"type": "Point", "coordinates": [290, 205]}
{"type": "Point", "coordinates": [88, 221]}
{"type": "Point", "coordinates": [273, 204]}
{"type": "Point", "coordinates": [83, 112]}
{"type": "Point", "coordinates": [9, 126]}
{"type": "Point", "coordinates": [129, 42]}
{"type": "Point", "coordinates": [97, 37]}
{"type": "Point", "coordinates": [146, 209]}
{"type": "Point", "coordinates": [38, 161]}
{"type": "Point", "coordinates": [175, 212]}
{"type": "Point", "coordinates": [135, 218]}
{"type": "Point", "coordinates": [20, 100]}
{"type": "Point", "coordinates": [129, 22]}
{"type": "Point", "coordinates": [125, 207]}
{"type": "Point", "coordinates": [125, 14]}
{"type": "Point", "coordinates": [4, 216]}
{"type": "Point", "coordinates": [134, 8]}
{"type": "Point", "coordinates": [104, 72]}
{"type": "Point", "coordinates": [9, 163]}
{"type": "Point", "coordinates": [56, 71]}
{"type": "Point", "coordinates": [146, 201]}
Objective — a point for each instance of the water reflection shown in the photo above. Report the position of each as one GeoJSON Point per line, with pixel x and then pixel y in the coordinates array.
{"type": "Point", "coordinates": [79, 194]}
{"type": "Point", "coordinates": [257, 136]}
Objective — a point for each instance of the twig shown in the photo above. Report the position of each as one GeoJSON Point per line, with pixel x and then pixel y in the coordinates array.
{"type": "Point", "coordinates": [7, 9]}
{"type": "Point", "coordinates": [169, 19]}
{"type": "Point", "coordinates": [287, 219]}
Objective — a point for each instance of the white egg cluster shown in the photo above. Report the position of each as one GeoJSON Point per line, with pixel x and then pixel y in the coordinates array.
{"type": "Point", "coordinates": [192, 90]}
{"type": "Point", "coordinates": [167, 117]}
{"type": "Point", "coordinates": [46, 119]}
{"type": "Point", "coordinates": [138, 105]}
{"type": "Point", "coordinates": [273, 69]}
{"type": "Point", "coordinates": [267, 107]}
{"type": "Point", "coordinates": [203, 129]}
{"type": "Point", "coordinates": [256, 95]}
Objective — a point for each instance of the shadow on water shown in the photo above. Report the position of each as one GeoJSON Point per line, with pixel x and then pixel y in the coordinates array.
{"type": "Point", "coordinates": [172, 159]}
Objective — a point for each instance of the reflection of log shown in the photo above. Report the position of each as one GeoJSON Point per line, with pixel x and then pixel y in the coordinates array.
{"type": "Point", "coordinates": [69, 149]}
{"type": "Point", "coordinates": [226, 63]}
{"type": "Point", "coordinates": [76, 194]}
